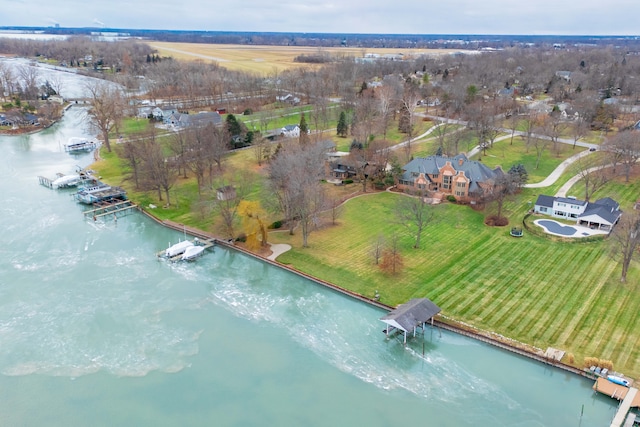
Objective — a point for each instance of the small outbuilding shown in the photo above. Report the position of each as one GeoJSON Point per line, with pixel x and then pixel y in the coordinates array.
{"type": "Point", "coordinates": [409, 316]}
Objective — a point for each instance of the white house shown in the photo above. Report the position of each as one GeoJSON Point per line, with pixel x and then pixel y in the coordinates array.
{"type": "Point", "coordinates": [290, 131]}
{"type": "Point", "coordinates": [602, 214]}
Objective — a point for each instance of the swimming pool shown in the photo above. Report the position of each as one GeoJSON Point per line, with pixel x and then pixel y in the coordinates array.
{"type": "Point", "coordinates": [559, 229]}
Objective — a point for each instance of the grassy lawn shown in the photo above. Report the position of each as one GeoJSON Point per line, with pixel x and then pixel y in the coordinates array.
{"type": "Point", "coordinates": [504, 154]}
{"type": "Point", "coordinates": [564, 295]}
{"type": "Point", "coordinates": [536, 290]}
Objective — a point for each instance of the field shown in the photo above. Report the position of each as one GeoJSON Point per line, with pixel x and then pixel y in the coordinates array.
{"type": "Point", "coordinates": [264, 60]}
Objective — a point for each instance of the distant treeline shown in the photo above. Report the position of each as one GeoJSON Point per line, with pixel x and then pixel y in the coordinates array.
{"type": "Point", "coordinates": [449, 41]}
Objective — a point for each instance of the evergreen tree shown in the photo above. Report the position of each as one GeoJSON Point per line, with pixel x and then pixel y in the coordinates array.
{"type": "Point", "coordinates": [343, 127]}
{"type": "Point", "coordinates": [304, 130]}
{"type": "Point", "coordinates": [233, 127]}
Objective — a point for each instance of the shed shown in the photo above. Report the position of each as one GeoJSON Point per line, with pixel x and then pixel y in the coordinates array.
{"type": "Point", "coordinates": [410, 315]}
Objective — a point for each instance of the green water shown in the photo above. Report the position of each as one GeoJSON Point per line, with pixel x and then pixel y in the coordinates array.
{"type": "Point", "coordinates": [94, 330]}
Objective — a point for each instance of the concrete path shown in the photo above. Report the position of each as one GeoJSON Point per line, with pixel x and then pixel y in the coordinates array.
{"type": "Point", "coordinates": [557, 172]}
{"type": "Point", "coordinates": [277, 250]}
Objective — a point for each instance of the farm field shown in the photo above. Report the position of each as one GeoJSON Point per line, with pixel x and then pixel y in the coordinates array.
{"type": "Point", "coordinates": [264, 60]}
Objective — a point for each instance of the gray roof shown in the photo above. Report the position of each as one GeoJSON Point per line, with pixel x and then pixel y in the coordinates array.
{"type": "Point", "coordinates": [411, 314]}
{"type": "Point", "coordinates": [606, 208]}
{"type": "Point", "coordinates": [571, 201]}
{"type": "Point", "coordinates": [546, 201]}
{"type": "Point", "coordinates": [200, 119]}
{"type": "Point", "coordinates": [474, 170]}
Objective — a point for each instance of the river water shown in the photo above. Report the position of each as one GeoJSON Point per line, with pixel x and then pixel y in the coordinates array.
{"type": "Point", "coordinates": [94, 330]}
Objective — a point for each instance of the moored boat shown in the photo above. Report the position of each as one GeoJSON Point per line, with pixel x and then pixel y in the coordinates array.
{"type": "Point", "coordinates": [192, 252]}
{"type": "Point", "coordinates": [618, 380]}
{"type": "Point", "coordinates": [177, 249]}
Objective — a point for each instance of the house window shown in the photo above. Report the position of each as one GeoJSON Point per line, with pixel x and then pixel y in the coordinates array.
{"type": "Point", "coordinates": [435, 176]}
{"type": "Point", "coordinates": [573, 215]}
{"type": "Point", "coordinates": [561, 205]}
{"type": "Point", "coordinates": [543, 209]}
{"type": "Point", "coordinates": [446, 182]}
{"type": "Point", "coordinates": [422, 186]}
{"type": "Point", "coordinates": [461, 184]}
{"type": "Point", "coordinates": [559, 213]}
{"type": "Point", "coordinates": [460, 193]}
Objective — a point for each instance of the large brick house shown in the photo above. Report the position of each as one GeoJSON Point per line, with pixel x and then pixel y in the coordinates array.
{"type": "Point", "coordinates": [466, 180]}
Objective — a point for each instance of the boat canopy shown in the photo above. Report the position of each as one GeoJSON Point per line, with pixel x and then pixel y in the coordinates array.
{"type": "Point", "coordinates": [413, 313]}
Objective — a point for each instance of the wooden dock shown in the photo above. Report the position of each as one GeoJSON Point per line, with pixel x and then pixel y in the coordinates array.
{"type": "Point", "coordinates": [628, 395]}
{"type": "Point", "coordinates": [112, 208]}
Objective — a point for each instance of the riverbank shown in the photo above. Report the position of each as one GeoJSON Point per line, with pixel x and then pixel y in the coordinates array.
{"type": "Point", "coordinates": [451, 325]}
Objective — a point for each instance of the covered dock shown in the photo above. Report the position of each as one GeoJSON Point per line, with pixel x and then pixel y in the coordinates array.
{"type": "Point", "coordinates": [409, 316]}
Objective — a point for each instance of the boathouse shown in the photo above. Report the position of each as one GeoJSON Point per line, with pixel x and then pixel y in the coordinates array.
{"type": "Point", "coordinates": [409, 316]}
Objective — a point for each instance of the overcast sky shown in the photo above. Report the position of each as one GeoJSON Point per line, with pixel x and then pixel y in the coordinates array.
{"type": "Point", "coordinates": [585, 17]}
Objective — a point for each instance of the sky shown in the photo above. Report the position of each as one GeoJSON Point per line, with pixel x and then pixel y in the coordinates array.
{"type": "Point", "coordinates": [535, 17]}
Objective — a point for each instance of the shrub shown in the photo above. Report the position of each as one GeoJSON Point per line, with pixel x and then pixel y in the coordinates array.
{"type": "Point", "coordinates": [605, 364]}
{"type": "Point", "coordinates": [347, 181]}
{"type": "Point", "coordinates": [571, 358]}
{"type": "Point", "coordinates": [451, 198]}
{"type": "Point", "coordinates": [276, 224]}
{"type": "Point", "coordinates": [590, 361]}
{"type": "Point", "coordinates": [248, 112]}
{"type": "Point", "coordinates": [241, 237]}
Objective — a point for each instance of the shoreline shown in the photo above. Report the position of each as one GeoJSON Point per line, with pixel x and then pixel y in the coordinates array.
{"type": "Point", "coordinates": [470, 332]}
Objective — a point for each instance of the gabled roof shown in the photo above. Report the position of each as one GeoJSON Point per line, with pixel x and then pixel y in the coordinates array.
{"type": "Point", "coordinates": [605, 208]}
{"type": "Point", "coordinates": [546, 201]}
{"type": "Point", "coordinates": [475, 171]}
{"type": "Point", "coordinates": [411, 314]}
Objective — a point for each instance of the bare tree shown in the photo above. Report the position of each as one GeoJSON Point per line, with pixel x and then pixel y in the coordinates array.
{"type": "Point", "coordinates": [261, 150]}
{"type": "Point", "coordinates": [504, 186]}
{"type": "Point", "coordinates": [392, 261]}
{"type": "Point", "coordinates": [157, 171]}
{"type": "Point", "coordinates": [227, 201]}
{"type": "Point", "coordinates": [593, 176]}
{"type": "Point", "coordinates": [294, 178]}
{"type": "Point", "coordinates": [106, 108]}
{"type": "Point", "coordinates": [579, 129]}
{"type": "Point", "coordinates": [625, 240]}
{"type": "Point", "coordinates": [414, 213]}
{"type": "Point", "coordinates": [625, 147]}
{"type": "Point", "coordinates": [29, 76]}
{"type": "Point", "coordinates": [336, 206]}
{"type": "Point", "coordinates": [377, 248]}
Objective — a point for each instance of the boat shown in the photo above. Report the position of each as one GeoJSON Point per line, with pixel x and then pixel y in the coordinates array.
{"type": "Point", "coordinates": [192, 252]}
{"type": "Point", "coordinates": [177, 249]}
{"type": "Point", "coordinates": [66, 181]}
{"type": "Point", "coordinates": [80, 144]}
{"type": "Point", "coordinates": [618, 380]}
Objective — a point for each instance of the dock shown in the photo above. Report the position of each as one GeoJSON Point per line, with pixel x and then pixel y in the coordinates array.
{"type": "Point", "coordinates": [113, 208]}
{"type": "Point", "coordinates": [628, 395]}
{"type": "Point", "coordinates": [45, 181]}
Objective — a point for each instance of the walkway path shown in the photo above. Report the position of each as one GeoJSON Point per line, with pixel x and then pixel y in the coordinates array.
{"type": "Point", "coordinates": [557, 172]}
{"type": "Point", "coordinates": [278, 249]}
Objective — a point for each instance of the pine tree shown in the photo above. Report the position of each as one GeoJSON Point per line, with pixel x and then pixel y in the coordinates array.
{"type": "Point", "coordinates": [343, 128]}
{"type": "Point", "coordinates": [304, 130]}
